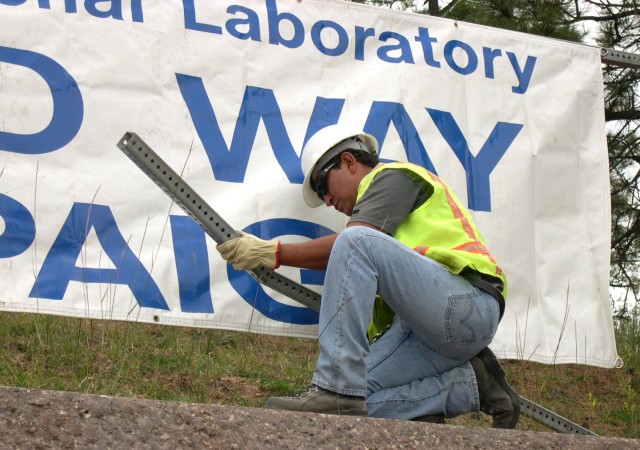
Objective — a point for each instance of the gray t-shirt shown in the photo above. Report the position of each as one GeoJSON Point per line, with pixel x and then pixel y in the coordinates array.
{"type": "Point", "coordinates": [391, 197]}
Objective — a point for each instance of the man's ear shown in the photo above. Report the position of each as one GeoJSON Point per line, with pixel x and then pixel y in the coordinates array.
{"type": "Point", "coordinates": [349, 160]}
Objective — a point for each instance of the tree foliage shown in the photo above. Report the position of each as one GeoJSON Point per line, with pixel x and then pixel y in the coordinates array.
{"type": "Point", "coordinates": [619, 28]}
{"type": "Point", "coordinates": [527, 16]}
{"type": "Point", "coordinates": [609, 24]}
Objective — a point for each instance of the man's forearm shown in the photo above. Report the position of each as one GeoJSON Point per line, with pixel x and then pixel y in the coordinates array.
{"type": "Point", "coordinates": [312, 254]}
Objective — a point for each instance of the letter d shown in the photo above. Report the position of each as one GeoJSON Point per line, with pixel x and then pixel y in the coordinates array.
{"type": "Point", "coordinates": [68, 108]}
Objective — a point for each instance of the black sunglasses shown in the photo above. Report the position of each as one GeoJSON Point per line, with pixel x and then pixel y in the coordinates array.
{"type": "Point", "coordinates": [320, 185]}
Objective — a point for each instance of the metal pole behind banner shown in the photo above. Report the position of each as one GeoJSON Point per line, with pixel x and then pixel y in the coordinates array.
{"type": "Point", "coordinates": [620, 58]}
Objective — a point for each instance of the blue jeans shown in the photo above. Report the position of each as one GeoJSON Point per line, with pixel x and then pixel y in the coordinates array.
{"type": "Point", "coordinates": [421, 365]}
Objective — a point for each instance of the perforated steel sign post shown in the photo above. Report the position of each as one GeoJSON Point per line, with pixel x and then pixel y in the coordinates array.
{"type": "Point", "coordinates": [214, 225]}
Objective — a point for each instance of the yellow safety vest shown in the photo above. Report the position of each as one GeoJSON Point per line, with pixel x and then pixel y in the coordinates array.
{"type": "Point", "coordinates": [441, 229]}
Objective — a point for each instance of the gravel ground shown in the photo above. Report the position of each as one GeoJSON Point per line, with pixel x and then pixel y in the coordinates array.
{"type": "Point", "coordinates": [33, 419]}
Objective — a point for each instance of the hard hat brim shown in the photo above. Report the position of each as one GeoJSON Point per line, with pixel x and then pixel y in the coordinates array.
{"type": "Point", "coordinates": [321, 154]}
{"type": "Point", "coordinates": [309, 195]}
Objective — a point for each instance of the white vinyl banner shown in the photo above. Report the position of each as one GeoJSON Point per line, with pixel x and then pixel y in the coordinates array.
{"type": "Point", "coordinates": [227, 93]}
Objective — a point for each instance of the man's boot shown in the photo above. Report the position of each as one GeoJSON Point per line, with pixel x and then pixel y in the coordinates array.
{"type": "Point", "coordinates": [320, 400]}
{"type": "Point", "coordinates": [496, 396]}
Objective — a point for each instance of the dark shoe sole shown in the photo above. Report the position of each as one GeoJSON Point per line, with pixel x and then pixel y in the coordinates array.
{"type": "Point", "coordinates": [493, 365]}
{"type": "Point", "coordinates": [430, 419]}
{"type": "Point", "coordinates": [287, 405]}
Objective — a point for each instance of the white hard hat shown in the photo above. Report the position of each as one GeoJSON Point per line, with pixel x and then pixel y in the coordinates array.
{"type": "Point", "coordinates": [323, 146]}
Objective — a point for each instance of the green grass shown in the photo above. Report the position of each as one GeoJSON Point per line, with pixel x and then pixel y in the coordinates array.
{"type": "Point", "coordinates": [224, 367]}
{"type": "Point", "coordinates": [148, 361]}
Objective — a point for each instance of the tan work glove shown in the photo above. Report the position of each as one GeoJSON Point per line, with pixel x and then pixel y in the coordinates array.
{"type": "Point", "coordinates": [247, 252]}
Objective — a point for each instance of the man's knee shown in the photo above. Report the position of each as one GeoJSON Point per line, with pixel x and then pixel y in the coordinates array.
{"type": "Point", "coordinates": [355, 233]}
{"type": "Point", "coordinates": [347, 237]}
